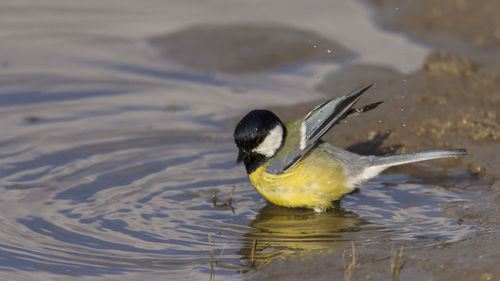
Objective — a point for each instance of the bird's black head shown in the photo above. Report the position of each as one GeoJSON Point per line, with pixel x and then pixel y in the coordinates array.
{"type": "Point", "coordinates": [258, 136]}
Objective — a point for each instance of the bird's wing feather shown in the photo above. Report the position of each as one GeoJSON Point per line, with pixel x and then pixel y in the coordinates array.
{"type": "Point", "coordinates": [314, 125]}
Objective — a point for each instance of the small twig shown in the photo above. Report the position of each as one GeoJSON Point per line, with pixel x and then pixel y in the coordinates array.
{"type": "Point", "coordinates": [230, 200]}
{"type": "Point", "coordinates": [396, 265]}
{"type": "Point", "coordinates": [214, 261]}
{"type": "Point", "coordinates": [392, 265]}
{"type": "Point", "coordinates": [214, 199]}
{"type": "Point", "coordinates": [212, 270]}
{"type": "Point", "coordinates": [220, 254]}
{"type": "Point", "coordinates": [353, 268]}
{"type": "Point", "coordinates": [349, 269]}
{"type": "Point", "coordinates": [227, 203]}
{"type": "Point", "coordinates": [252, 252]}
{"type": "Point", "coordinates": [343, 259]}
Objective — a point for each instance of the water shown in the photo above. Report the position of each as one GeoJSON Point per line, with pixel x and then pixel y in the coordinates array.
{"type": "Point", "coordinates": [141, 205]}
{"type": "Point", "coordinates": [110, 155]}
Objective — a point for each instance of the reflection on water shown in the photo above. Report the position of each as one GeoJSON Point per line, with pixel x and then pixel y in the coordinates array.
{"type": "Point", "coordinates": [279, 231]}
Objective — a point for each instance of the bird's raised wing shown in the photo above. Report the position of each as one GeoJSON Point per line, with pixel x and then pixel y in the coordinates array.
{"type": "Point", "coordinates": [314, 125]}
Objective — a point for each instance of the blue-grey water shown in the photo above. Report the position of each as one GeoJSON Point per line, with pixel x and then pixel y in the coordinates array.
{"type": "Point", "coordinates": [110, 154]}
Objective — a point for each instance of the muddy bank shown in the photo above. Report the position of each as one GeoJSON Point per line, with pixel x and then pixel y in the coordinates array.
{"type": "Point", "coordinates": [473, 259]}
{"type": "Point", "coordinates": [459, 87]}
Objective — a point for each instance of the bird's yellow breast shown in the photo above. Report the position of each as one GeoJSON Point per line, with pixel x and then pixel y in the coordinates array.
{"type": "Point", "coordinates": [314, 183]}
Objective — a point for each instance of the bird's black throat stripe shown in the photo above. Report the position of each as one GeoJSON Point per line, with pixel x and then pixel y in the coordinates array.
{"type": "Point", "coordinates": [253, 161]}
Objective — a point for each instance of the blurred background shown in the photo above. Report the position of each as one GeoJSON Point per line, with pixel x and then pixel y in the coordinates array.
{"type": "Point", "coordinates": [117, 159]}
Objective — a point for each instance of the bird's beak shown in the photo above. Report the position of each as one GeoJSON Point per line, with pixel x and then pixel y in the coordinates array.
{"type": "Point", "coordinates": [241, 157]}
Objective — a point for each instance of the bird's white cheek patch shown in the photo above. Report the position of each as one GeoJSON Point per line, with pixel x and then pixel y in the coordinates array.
{"type": "Point", "coordinates": [271, 143]}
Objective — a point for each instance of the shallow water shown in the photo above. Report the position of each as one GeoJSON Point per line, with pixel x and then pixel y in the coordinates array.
{"type": "Point", "coordinates": [142, 205]}
{"type": "Point", "coordinates": [110, 155]}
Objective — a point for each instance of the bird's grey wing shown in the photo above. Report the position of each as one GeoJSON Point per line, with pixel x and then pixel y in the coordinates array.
{"type": "Point", "coordinates": [314, 125]}
{"type": "Point", "coordinates": [319, 120]}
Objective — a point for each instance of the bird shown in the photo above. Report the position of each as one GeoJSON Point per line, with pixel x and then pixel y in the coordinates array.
{"type": "Point", "coordinates": [290, 166]}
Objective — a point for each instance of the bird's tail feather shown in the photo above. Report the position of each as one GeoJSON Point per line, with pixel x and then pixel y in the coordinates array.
{"type": "Point", "coordinates": [373, 165]}
{"type": "Point", "coordinates": [394, 160]}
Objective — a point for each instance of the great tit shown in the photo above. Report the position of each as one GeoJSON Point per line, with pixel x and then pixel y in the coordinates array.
{"type": "Point", "coordinates": [290, 166]}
